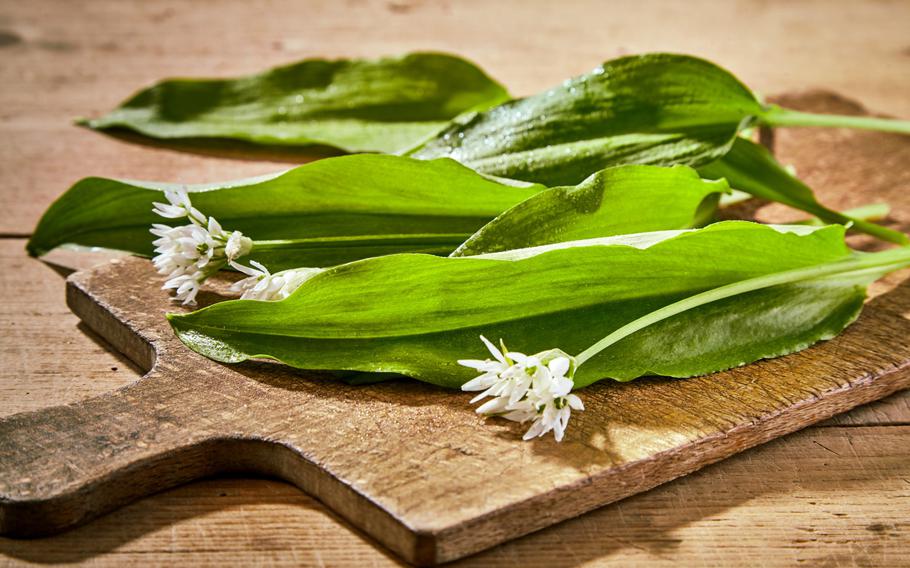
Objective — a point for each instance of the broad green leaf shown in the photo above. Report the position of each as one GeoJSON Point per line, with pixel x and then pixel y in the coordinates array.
{"type": "Point", "coordinates": [417, 314]}
{"type": "Point", "coordinates": [615, 201]}
{"type": "Point", "coordinates": [357, 105]}
{"type": "Point", "coordinates": [334, 210]}
{"type": "Point", "coordinates": [751, 168]}
{"type": "Point", "coordinates": [344, 209]}
{"type": "Point", "coordinates": [660, 109]}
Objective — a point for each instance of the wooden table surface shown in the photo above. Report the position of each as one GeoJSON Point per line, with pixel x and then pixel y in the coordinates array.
{"type": "Point", "coordinates": [834, 494]}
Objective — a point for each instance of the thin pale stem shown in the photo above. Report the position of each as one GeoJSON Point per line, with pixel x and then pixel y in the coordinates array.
{"type": "Point", "coordinates": [861, 225]}
{"type": "Point", "coordinates": [445, 240]}
{"type": "Point", "coordinates": [859, 265]}
{"type": "Point", "coordinates": [871, 212]}
{"type": "Point", "coordinates": [778, 116]}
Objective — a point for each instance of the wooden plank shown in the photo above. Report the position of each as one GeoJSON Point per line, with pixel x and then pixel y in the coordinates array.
{"type": "Point", "coordinates": [804, 500]}
{"type": "Point", "coordinates": [49, 358]}
{"type": "Point", "coordinates": [822, 497]}
{"type": "Point", "coordinates": [845, 168]}
{"type": "Point", "coordinates": [256, 521]}
{"type": "Point", "coordinates": [85, 57]}
{"type": "Point", "coordinates": [409, 464]}
{"type": "Point", "coordinates": [858, 48]}
{"type": "Point", "coordinates": [849, 169]}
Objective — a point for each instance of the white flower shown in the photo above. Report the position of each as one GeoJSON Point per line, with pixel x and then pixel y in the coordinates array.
{"type": "Point", "coordinates": [189, 254]}
{"type": "Point", "coordinates": [524, 388]}
{"type": "Point", "coordinates": [178, 205]}
{"type": "Point", "coordinates": [263, 285]}
{"type": "Point", "coordinates": [235, 246]}
{"type": "Point", "coordinates": [490, 369]}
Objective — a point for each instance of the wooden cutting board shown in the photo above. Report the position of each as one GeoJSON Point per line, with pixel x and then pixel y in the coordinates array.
{"type": "Point", "coordinates": [410, 464]}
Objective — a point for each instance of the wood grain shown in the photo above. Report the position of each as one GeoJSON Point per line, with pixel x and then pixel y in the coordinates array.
{"type": "Point", "coordinates": [66, 59]}
{"type": "Point", "coordinates": [48, 357]}
{"type": "Point", "coordinates": [821, 497]}
{"type": "Point", "coordinates": [409, 464]}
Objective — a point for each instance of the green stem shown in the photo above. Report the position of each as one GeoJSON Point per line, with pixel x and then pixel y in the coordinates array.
{"type": "Point", "coordinates": [860, 264]}
{"type": "Point", "coordinates": [871, 212]}
{"type": "Point", "coordinates": [863, 226]}
{"type": "Point", "coordinates": [446, 242]}
{"type": "Point", "coordinates": [777, 116]}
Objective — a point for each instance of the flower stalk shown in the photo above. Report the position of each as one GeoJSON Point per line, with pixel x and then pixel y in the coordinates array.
{"type": "Point", "coordinates": [778, 116]}
{"type": "Point", "coordinates": [188, 255]}
{"type": "Point", "coordinates": [537, 388]}
{"type": "Point", "coordinates": [260, 284]}
{"type": "Point", "coordinates": [859, 266]}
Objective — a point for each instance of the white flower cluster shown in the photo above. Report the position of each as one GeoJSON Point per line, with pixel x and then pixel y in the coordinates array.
{"type": "Point", "coordinates": [189, 254]}
{"type": "Point", "coordinates": [260, 284]}
{"type": "Point", "coordinates": [526, 388]}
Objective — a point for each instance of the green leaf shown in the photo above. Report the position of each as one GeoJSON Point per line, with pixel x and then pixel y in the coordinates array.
{"type": "Point", "coordinates": [615, 201]}
{"type": "Point", "coordinates": [357, 105]}
{"type": "Point", "coordinates": [751, 168]}
{"type": "Point", "coordinates": [417, 314]}
{"type": "Point", "coordinates": [343, 209]}
{"type": "Point", "coordinates": [660, 109]}
{"type": "Point", "coordinates": [334, 210]}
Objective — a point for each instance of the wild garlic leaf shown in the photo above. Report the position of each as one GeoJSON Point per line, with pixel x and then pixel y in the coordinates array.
{"type": "Point", "coordinates": [344, 209]}
{"type": "Point", "coordinates": [660, 109]}
{"type": "Point", "coordinates": [417, 314]}
{"type": "Point", "coordinates": [751, 168]}
{"type": "Point", "coordinates": [619, 200]}
{"type": "Point", "coordinates": [356, 105]}
{"type": "Point", "coordinates": [333, 211]}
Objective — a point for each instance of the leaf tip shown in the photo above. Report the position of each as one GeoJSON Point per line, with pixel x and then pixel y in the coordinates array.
{"type": "Point", "coordinates": [171, 315]}
{"type": "Point", "coordinates": [33, 249]}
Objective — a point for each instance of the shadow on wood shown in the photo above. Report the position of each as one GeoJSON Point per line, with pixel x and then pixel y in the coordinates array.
{"type": "Point", "coordinates": [409, 464]}
{"type": "Point", "coordinates": [223, 148]}
{"type": "Point", "coordinates": [648, 521]}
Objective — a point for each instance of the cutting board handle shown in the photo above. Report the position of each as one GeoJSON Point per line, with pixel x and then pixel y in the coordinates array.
{"type": "Point", "coordinates": [63, 465]}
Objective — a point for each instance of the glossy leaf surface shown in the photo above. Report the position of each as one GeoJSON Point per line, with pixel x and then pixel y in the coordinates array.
{"type": "Point", "coordinates": [615, 201]}
{"type": "Point", "coordinates": [660, 109]}
{"type": "Point", "coordinates": [344, 209]}
{"type": "Point", "coordinates": [357, 105]}
{"type": "Point", "coordinates": [417, 314]}
{"type": "Point", "coordinates": [334, 210]}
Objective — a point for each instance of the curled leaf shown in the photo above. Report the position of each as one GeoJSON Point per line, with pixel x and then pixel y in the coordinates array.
{"type": "Point", "coordinates": [615, 201]}
{"type": "Point", "coordinates": [660, 109]}
{"type": "Point", "coordinates": [344, 209]}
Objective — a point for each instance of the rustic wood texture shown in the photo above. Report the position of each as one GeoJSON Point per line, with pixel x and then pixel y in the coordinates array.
{"type": "Point", "coordinates": [830, 495]}
{"type": "Point", "coordinates": [409, 464]}
{"type": "Point", "coordinates": [821, 497]}
{"type": "Point", "coordinates": [64, 59]}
